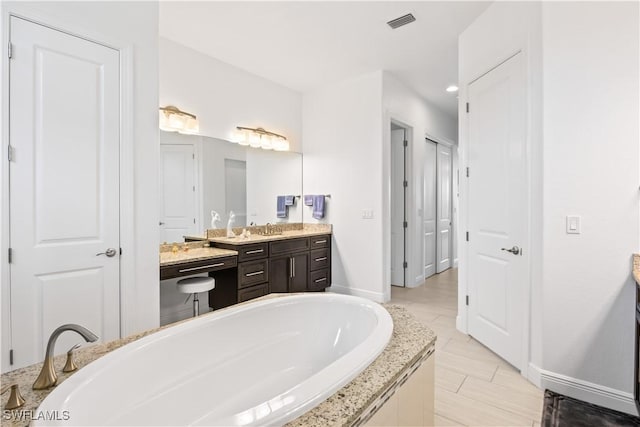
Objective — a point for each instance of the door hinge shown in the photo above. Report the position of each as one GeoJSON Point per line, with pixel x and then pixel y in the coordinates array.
{"type": "Point", "coordinates": [405, 264]}
{"type": "Point", "coordinates": [193, 156]}
{"type": "Point", "coordinates": [10, 153]}
{"type": "Point", "coordinates": [120, 251]}
{"type": "Point", "coordinates": [194, 188]}
{"type": "Point", "coordinates": [405, 183]}
{"type": "Point", "coordinates": [467, 107]}
{"type": "Point", "coordinates": [405, 143]}
{"type": "Point", "coordinates": [467, 235]}
{"type": "Point", "coordinates": [467, 299]}
{"type": "Point", "coordinates": [194, 220]}
{"type": "Point", "coordinates": [405, 224]}
{"type": "Point", "coordinates": [467, 172]}
{"type": "Point", "coordinates": [10, 50]}
{"type": "Point", "coordinates": [10, 255]}
{"type": "Point", "coordinates": [11, 357]}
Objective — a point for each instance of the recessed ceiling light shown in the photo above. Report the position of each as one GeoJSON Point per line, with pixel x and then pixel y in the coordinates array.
{"type": "Point", "coordinates": [452, 88]}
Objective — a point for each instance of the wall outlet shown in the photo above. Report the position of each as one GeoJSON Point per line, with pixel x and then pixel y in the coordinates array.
{"type": "Point", "coordinates": [367, 214]}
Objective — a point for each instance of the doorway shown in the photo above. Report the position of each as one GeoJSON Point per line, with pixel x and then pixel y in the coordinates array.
{"type": "Point", "coordinates": [399, 224]}
{"type": "Point", "coordinates": [64, 201]}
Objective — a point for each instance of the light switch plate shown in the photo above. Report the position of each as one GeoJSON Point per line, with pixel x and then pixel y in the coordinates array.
{"type": "Point", "coordinates": [367, 214]}
{"type": "Point", "coordinates": [573, 224]}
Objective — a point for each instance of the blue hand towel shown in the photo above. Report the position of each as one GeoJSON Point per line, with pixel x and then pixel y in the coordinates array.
{"type": "Point", "coordinates": [318, 207]}
{"type": "Point", "coordinates": [308, 200]}
{"type": "Point", "coordinates": [282, 210]}
{"type": "Point", "coordinates": [289, 200]}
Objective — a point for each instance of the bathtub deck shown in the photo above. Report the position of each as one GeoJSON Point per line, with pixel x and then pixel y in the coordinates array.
{"type": "Point", "coordinates": [409, 341]}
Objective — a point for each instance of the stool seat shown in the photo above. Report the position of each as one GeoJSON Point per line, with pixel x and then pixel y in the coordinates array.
{"type": "Point", "coordinates": [190, 285]}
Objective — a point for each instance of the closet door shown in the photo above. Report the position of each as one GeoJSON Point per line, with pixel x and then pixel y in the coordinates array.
{"type": "Point", "coordinates": [429, 208]}
{"type": "Point", "coordinates": [444, 209]}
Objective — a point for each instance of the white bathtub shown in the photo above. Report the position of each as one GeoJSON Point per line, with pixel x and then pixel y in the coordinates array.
{"type": "Point", "coordinates": [262, 363]}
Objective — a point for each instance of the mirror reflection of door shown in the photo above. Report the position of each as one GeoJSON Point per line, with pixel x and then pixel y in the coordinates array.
{"type": "Point", "coordinates": [178, 192]}
{"type": "Point", "coordinates": [235, 194]}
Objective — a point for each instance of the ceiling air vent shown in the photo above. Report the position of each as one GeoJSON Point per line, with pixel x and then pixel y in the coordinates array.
{"type": "Point", "coordinates": [403, 20]}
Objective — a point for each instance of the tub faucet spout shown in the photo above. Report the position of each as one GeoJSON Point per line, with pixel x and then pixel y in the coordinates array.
{"type": "Point", "coordinates": [48, 377]}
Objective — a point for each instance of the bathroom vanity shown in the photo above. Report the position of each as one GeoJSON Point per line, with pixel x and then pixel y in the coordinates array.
{"type": "Point", "coordinates": [273, 264]}
{"type": "Point", "coordinates": [295, 258]}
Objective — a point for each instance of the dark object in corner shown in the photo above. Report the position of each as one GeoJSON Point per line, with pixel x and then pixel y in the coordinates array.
{"type": "Point", "coordinates": [563, 411]}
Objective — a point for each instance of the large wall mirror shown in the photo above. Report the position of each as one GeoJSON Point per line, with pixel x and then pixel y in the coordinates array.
{"type": "Point", "coordinates": [200, 174]}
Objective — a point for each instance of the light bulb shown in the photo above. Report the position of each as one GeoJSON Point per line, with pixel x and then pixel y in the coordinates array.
{"type": "Point", "coordinates": [267, 142]}
{"type": "Point", "coordinates": [254, 140]}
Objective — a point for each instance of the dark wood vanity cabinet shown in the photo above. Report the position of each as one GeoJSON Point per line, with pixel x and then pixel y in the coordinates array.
{"type": "Point", "coordinates": [291, 265]}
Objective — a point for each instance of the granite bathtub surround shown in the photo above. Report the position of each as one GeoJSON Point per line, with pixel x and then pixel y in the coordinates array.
{"type": "Point", "coordinates": [636, 267]}
{"type": "Point", "coordinates": [410, 341]}
{"type": "Point", "coordinates": [195, 252]}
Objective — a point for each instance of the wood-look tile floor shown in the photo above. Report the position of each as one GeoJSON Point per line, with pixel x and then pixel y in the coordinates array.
{"type": "Point", "coordinates": [474, 386]}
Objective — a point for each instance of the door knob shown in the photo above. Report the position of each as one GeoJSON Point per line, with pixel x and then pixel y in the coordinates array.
{"type": "Point", "coordinates": [514, 250]}
{"type": "Point", "coordinates": [109, 252]}
{"type": "Point", "coordinates": [161, 223]}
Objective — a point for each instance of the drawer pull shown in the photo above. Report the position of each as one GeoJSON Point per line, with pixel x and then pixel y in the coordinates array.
{"type": "Point", "coordinates": [256, 251]}
{"type": "Point", "coordinates": [254, 273]}
{"type": "Point", "coordinates": [324, 279]}
{"type": "Point", "coordinates": [321, 241]}
{"type": "Point", "coordinates": [324, 258]}
{"type": "Point", "coordinates": [184, 270]}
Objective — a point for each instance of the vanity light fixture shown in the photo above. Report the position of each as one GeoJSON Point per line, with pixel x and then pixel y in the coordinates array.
{"type": "Point", "coordinates": [260, 138]}
{"type": "Point", "coordinates": [172, 119]}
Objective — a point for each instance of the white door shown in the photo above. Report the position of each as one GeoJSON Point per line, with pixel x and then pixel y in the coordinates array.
{"type": "Point", "coordinates": [497, 216]}
{"type": "Point", "coordinates": [429, 209]}
{"type": "Point", "coordinates": [444, 215]}
{"type": "Point", "coordinates": [64, 202]}
{"type": "Point", "coordinates": [177, 192]}
{"type": "Point", "coordinates": [235, 193]}
{"type": "Point", "coordinates": [397, 207]}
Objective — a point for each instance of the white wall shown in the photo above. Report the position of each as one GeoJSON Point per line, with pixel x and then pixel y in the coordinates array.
{"type": "Point", "coordinates": [122, 25]}
{"type": "Point", "coordinates": [343, 156]}
{"type": "Point", "coordinates": [582, 65]}
{"type": "Point", "coordinates": [403, 105]}
{"type": "Point", "coordinates": [223, 96]}
{"type": "Point", "coordinates": [591, 169]}
{"type": "Point", "coordinates": [502, 30]}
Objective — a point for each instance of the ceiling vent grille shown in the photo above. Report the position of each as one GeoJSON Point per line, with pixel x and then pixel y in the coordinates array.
{"type": "Point", "coordinates": [403, 20]}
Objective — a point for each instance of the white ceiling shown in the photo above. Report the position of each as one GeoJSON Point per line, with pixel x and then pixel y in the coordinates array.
{"type": "Point", "coordinates": [303, 45]}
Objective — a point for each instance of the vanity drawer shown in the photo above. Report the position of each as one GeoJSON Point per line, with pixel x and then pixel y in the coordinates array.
{"type": "Point", "coordinates": [320, 241]}
{"type": "Point", "coordinates": [319, 259]}
{"type": "Point", "coordinates": [253, 272]}
{"type": "Point", "coordinates": [253, 251]}
{"type": "Point", "coordinates": [319, 279]}
{"type": "Point", "coordinates": [196, 267]}
{"type": "Point", "coordinates": [253, 292]}
{"type": "Point", "coordinates": [292, 245]}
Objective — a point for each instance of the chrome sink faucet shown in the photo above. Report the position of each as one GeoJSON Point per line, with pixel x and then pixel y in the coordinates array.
{"type": "Point", "coordinates": [48, 377]}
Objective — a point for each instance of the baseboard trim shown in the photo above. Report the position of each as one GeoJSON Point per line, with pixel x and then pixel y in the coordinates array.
{"type": "Point", "coordinates": [418, 281]}
{"type": "Point", "coordinates": [374, 296]}
{"type": "Point", "coordinates": [589, 392]}
{"type": "Point", "coordinates": [460, 326]}
{"type": "Point", "coordinates": [534, 375]}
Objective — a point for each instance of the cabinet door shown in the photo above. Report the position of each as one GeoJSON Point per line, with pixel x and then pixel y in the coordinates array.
{"type": "Point", "coordinates": [299, 269]}
{"type": "Point", "coordinates": [279, 272]}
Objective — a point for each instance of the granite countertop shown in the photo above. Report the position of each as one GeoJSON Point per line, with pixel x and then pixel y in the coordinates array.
{"type": "Point", "coordinates": [202, 236]}
{"type": "Point", "coordinates": [636, 268]}
{"type": "Point", "coordinates": [408, 343]}
{"type": "Point", "coordinates": [259, 238]}
{"type": "Point", "coordinates": [193, 254]}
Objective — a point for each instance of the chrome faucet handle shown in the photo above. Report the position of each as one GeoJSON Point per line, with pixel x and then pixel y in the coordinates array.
{"type": "Point", "coordinates": [70, 364]}
{"type": "Point", "coordinates": [15, 398]}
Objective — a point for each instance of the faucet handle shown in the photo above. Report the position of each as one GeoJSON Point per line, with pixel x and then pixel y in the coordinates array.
{"type": "Point", "coordinates": [70, 365]}
{"type": "Point", "coordinates": [15, 398]}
